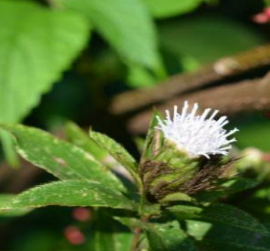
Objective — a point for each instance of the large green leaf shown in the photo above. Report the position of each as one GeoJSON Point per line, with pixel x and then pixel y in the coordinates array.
{"type": "Point", "coordinates": [168, 8]}
{"type": "Point", "coordinates": [58, 157]}
{"type": "Point", "coordinates": [4, 200]}
{"type": "Point", "coordinates": [70, 193]}
{"type": "Point", "coordinates": [168, 237]}
{"type": "Point", "coordinates": [118, 152]}
{"type": "Point", "coordinates": [36, 46]}
{"type": "Point", "coordinates": [125, 24]}
{"type": "Point", "coordinates": [224, 228]}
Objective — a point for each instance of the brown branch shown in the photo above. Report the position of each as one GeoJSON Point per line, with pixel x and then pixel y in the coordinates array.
{"type": "Point", "coordinates": [178, 84]}
{"type": "Point", "coordinates": [243, 97]}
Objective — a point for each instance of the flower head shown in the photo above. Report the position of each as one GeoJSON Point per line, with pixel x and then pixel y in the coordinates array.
{"type": "Point", "coordinates": [197, 134]}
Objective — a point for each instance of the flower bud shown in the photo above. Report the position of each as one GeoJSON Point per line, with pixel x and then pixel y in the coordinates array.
{"type": "Point", "coordinates": [189, 156]}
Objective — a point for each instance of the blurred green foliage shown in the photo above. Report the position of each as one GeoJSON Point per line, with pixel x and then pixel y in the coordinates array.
{"type": "Point", "coordinates": [64, 59]}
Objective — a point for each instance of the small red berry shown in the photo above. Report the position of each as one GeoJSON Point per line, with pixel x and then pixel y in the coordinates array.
{"type": "Point", "coordinates": [267, 12]}
{"type": "Point", "coordinates": [74, 235]}
{"type": "Point", "coordinates": [81, 214]}
{"type": "Point", "coordinates": [261, 18]}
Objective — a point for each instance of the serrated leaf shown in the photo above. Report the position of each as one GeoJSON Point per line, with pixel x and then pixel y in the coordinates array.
{"type": "Point", "coordinates": [70, 193]}
{"type": "Point", "coordinates": [223, 227]}
{"type": "Point", "coordinates": [4, 200]}
{"type": "Point", "coordinates": [168, 237]}
{"type": "Point", "coordinates": [34, 50]}
{"type": "Point", "coordinates": [118, 152]}
{"type": "Point", "coordinates": [63, 160]}
{"type": "Point", "coordinates": [125, 24]}
{"type": "Point", "coordinates": [169, 8]}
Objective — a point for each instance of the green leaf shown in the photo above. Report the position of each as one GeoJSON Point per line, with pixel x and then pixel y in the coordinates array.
{"type": "Point", "coordinates": [6, 199]}
{"type": "Point", "coordinates": [181, 38]}
{"type": "Point", "coordinates": [224, 228]}
{"type": "Point", "coordinates": [70, 193]}
{"type": "Point", "coordinates": [125, 24]}
{"type": "Point", "coordinates": [63, 160]}
{"type": "Point", "coordinates": [169, 8]}
{"type": "Point", "coordinates": [168, 237]}
{"type": "Point", "coordinates": [81, 139]}
{"type": "Point", "coordinates": [118, 152]}
{"type": "Point", "coordinates": [254, 131]}
{"type": "Point", "coordinates": [149, 141]}
{"type": "Point", "coordinates": [227, 188]}
{"type": "Point", "coordinates": [109, 234]}
{"type": "Point", "coordinates": [140, 77]}
{"type": "Point", "coordinates": [34, 50]}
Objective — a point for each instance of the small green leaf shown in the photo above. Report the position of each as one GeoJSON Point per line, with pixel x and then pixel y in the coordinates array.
{"type": "Point", "coordinates": [109, 234]}
{"type": "Point", "coordinates": [70, 193]}
{"type": "Point", "coordinates": [168, 8]}
{"type": "Point", "coordinates": [118, 152]}
{"type": "Point", "coordinates": [149, 141]}
{"type": "Point", "coordinates": [227, 188]}
{"type": "Point", "coordinates": [222, 227]}
{"type": "Point", "coordinates": [79, 138]}
{"type": "Point", "coordinates": [63, 160]}
{"type": "Point", "coordinates": [173, 197]}
{"type": "Point", "coordinates": [126, 24]}
{"type": "Point", "coordinates": [168, 237]}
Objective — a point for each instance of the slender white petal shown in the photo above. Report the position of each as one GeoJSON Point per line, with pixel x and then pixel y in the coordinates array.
{"type": "Point", "coordinates": [195, 134]}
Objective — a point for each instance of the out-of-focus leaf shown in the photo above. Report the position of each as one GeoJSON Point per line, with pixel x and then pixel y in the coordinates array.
{"type": "Point", "coordinates": [168, 237]}
{"type": "Point", "coordinates": [168, 8]}
{"type": "Point", "coordinates": [254, 132]}
{"type": "Point", "coordinates": [70, 193]}
{"type": "Point", "coordinates": [125, 24]}
{"type": "Point", "coordinates": [225, 228]}
{"type": "Point", "coordinates": [211, 33]}
{"type": "Point", "coordinates": [34, 50]}
{"type": "Point", "coordinates": [139, 77]}
{"type": "Point", "coordinates": [118, 152]}
{"type": "Point", "coordinates": [58, 157]}
{"type": "Point", "coordinates": [109, 235]}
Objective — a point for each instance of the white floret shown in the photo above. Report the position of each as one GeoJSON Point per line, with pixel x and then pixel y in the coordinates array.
{"type": "Point", "coordinates": [197, 134]}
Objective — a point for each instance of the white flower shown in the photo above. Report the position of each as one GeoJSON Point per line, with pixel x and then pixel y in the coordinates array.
{"type": "Point", "coordinates": [197, 134]}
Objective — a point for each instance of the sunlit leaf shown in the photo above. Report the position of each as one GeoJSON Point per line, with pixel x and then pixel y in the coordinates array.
{"type": "Point", "coordinates": [63, 160]}
{"type": "Point", "coordinates": [168, 8]}
{"type": "Point", "coordinates": [36, 46]}
{"type": "Point", "coordinates": [125, 24]}
{"type": "Point", "coordinates": [69, 193]}
{"type": "Point", "coordinates": [118, 152]}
